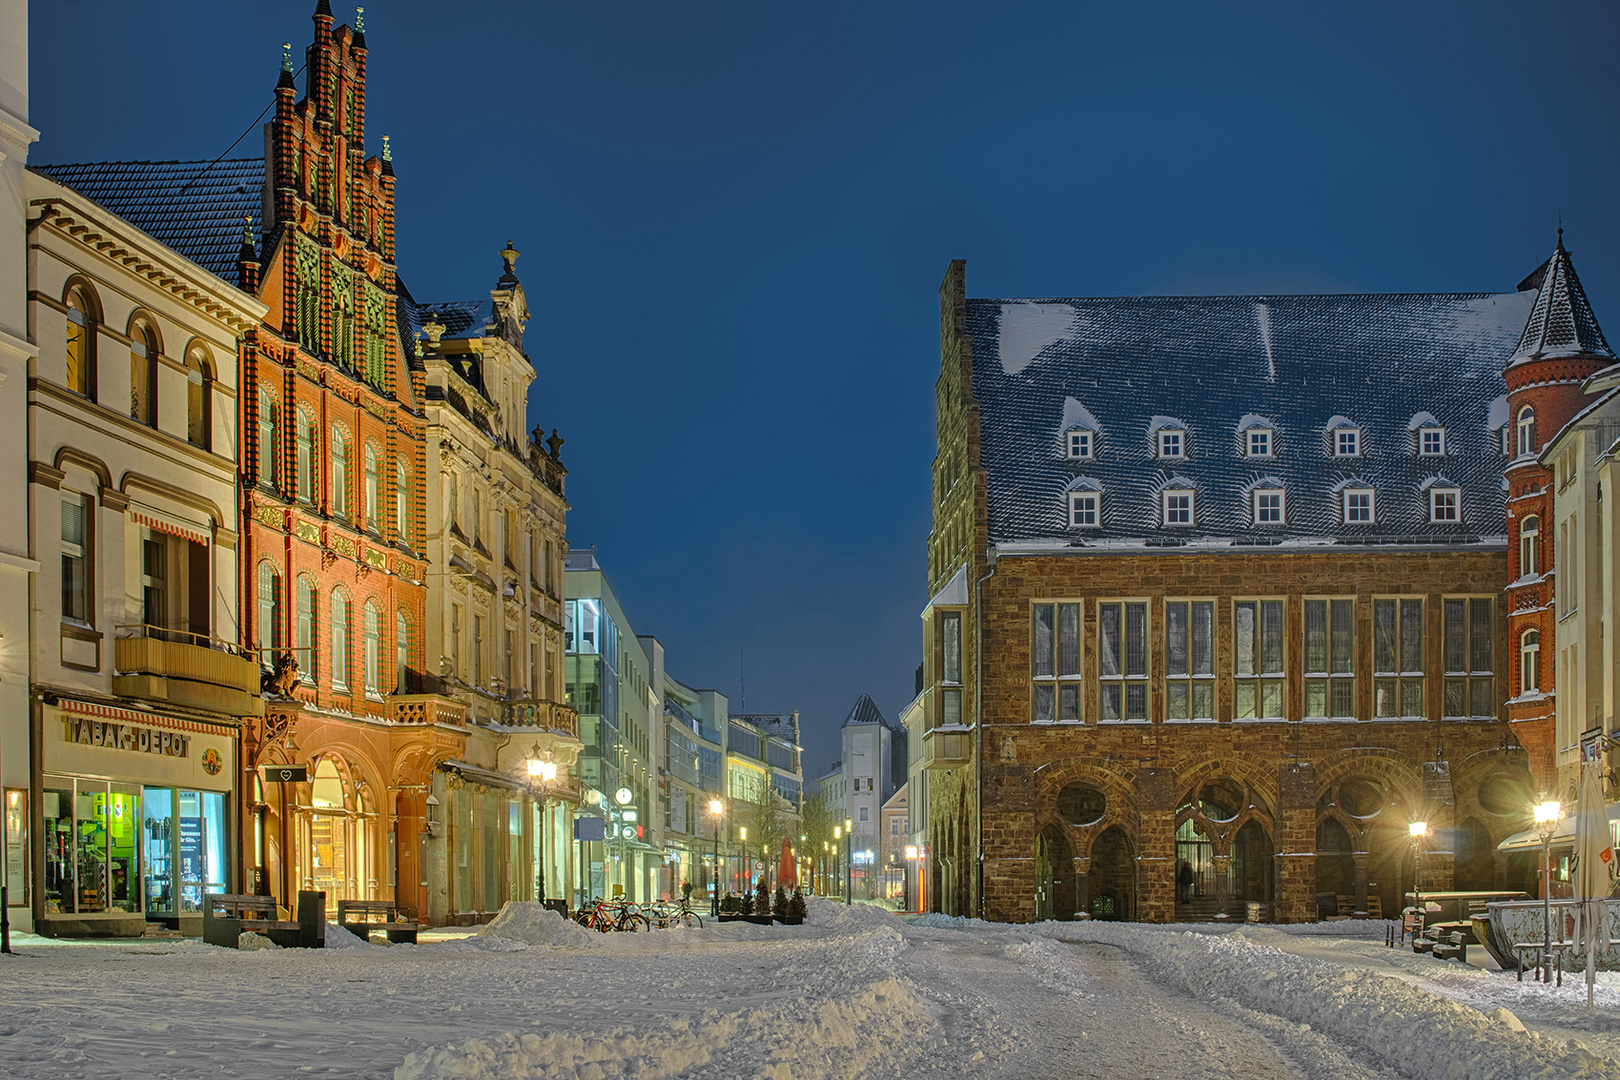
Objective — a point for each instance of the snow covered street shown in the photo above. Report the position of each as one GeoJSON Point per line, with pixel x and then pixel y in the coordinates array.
{"type": "Point", "coordinates": [855, 992]}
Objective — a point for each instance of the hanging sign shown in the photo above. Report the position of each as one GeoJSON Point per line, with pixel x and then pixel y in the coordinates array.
{"type": "Point", "coordinates": [285, 774]}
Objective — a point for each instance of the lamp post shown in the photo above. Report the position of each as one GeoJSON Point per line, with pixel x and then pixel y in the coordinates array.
{"type": "Point", "coordinates": [1546, 825]}
{"type": "Point", "coordinates": [716, 807]}
{"type": "Point", "coordinates": [849, 853]}
{"type": "Point", "coordinates": [911, 857]}
{"type": "Point", "coordinates": [1418, 830]}
{"type": "Point", "coordinates": [542, 771]}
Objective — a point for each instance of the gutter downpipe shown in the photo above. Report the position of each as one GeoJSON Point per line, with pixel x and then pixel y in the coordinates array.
{"type": "Point", "coordinates": [978, 721]}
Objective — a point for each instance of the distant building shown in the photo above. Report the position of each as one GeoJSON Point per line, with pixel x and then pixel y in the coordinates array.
{"type": "Point", "coordinates": [873, 767]}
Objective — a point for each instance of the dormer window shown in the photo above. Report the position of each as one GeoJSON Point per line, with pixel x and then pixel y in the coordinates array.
{"type": "Point", "coordinates": [1432, 441]}
{"type": "Point", "coordinates": [1078, 444]}
{"type": "Point", "coordinates": [1085, 510]}
{"type": "Point", "coordinates": [1172, 443]}
{"type": "Point", "coordinates": [1445, 505]}
{"type": "Point", "coordinates": [1268, 506]}
{"type": "Point", "coordinates": [1259, 442]}
{"type": "Point", "coordinates": [1178, 507]}
{"type": "Point", "coordinates": [1358, 506]}
{"type": "Point", "coordinates": [1347, 442]}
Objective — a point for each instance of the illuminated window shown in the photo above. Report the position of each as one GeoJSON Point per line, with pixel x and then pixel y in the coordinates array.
{"type": "Point", "coordinates": [80, 351]}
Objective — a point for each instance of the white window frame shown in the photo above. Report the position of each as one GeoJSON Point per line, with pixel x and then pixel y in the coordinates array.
{"type": "Point", "coordinates": [1166, 510]}
{"type": "Point", "coordinates": [1346, 442]}
{"type": "Point", "coordinates": [1124, 691]}
{"type": "Point", "coordinates": [1079, 444]}
{"type": "Point", "coordinates": [1401, 680]}
{"type": "Point", "coordinates": [1258, 509]}
{"type": "Point", "coordinates": [1264, 437]}
{"type": "Point", "coordinates": [1530, 661]}
{"type": "Point", "coordinates": [1529, 546]}
{"type": "Point", "coordinates": [1259, 678]}
{"type": "Point", "coordinates": [1172, 443]}
{"type": "Point", "coordinates": [1055, 673]}
{"type": "Point", "coordinates": [1524, 428]}
{"type": "Point", "coordinates": [1336, 678]}
{"type": "Point", "coordinates": [1442, 499]}
{"type": "Point", "coordinates": [1372, 505]}
{"type": "Point", "coordinates": [1183, 689]}
{"type": "Point", "coordinates": [1436, 435]}
{"type": "Point", "coordinates": [1077, 499]}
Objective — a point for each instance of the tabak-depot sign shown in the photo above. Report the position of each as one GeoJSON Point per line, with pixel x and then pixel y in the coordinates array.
{"type": "Point", "coordinates": [142, 740]}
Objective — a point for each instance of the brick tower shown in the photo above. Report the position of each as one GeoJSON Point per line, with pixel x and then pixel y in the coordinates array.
{"type": "Point", "coordinates": [1561, 346]}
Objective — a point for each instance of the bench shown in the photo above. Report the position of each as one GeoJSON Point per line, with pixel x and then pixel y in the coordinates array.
{"type": "Point", "coordinates": [1449, 946]}
{"type": "Point", "coordinates": [226, 916]}
{"type": "Point", "coordinates": [361, 917]}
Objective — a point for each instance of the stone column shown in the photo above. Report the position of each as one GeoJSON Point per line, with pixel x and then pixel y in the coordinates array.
{"type": "Point", "coordinates": [1156, 861]}
{"type": "Point", "coordinates": [1295, 844]}
{"type": "Point", "coordinates": [1361, 860]}
{"type": "Point", "coordinates": [1082, 884]}
{"type": "Point", "coordinates": [1223, 885]}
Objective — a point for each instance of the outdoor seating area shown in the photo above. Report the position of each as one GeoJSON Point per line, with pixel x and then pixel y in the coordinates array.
{"type": "Point", "coordinates": [227, 916]}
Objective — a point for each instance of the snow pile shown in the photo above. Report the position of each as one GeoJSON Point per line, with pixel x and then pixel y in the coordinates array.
{"type": "Point", "coordinates": [250, 941]}
{"type": "Point", "coordinates": [1411, 1031]}
{"type": "Point", "coordinates": [535, 924]}
{"type": "Point", "coordinates": [339, 938]}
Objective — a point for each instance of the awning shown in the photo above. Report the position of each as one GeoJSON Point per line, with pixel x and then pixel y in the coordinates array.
{"type": "Point", "coordinates": [154, 518]}
{"type": "Point", "coordinates": [482, 776]}
{"type": "Point", "coordinates": [1563, 836]}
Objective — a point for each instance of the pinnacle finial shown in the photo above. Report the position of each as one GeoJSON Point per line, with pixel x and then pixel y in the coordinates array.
{"type": "Point", "coordinates": [387, 154]}
{"type": "Point", "coordinates": [247, 228]}
{"type": "Point", "coordinates": [1560, 230]}
{"type": "Point", "coordinates": [509, 255]}
{"type": "Point", "coordinates": [359, 20]}
{"type": "Point", "coordinates": [286, 57]}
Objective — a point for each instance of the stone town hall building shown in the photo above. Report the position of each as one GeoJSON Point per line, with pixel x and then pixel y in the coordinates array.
{"type": "Point", "coordinates": [1235, 571]}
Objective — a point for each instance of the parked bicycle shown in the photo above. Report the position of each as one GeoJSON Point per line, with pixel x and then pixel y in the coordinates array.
{"type": "Point", "coordinates": [668, 913]}
{"type": "Point", "coordinates": [606, 915]}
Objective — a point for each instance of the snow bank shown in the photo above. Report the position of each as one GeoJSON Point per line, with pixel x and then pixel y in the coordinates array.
{"type": "Point", "coordinates": [535, 924]}
{"type": "Point", "coordinates": [339, 938]}
{"type": "Point", "coordinates": [252, 940]}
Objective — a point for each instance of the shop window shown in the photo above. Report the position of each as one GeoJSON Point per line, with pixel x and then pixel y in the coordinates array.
{"type": "Point", "coordinates": [1055, 674]}
{"type": "Point", "coordinates": [1329, 641]}
{"type": "Point", "coordinates": [1469, 634]}
{"type": "Point", "coordinates": [1189, 660]}
{"type": "Point", "coordinates": [186, 839]}
{"type": "Point", "coordinates": [1257, 660]}
{"type": "Point", "coordinates": [91, 833]}
{"type": "Point", "coordinates": [1122, 630]}
{"type": "Point", "coordinates": [1398, 658]}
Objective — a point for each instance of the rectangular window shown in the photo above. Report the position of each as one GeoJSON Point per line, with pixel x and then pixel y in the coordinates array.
{"type": "Point", "coordinates": [1358, 506]}
{"type": "Point", "coordinates": [1189, 660]}
{"type": "Point", "coordinates": [1079, 444]}
{"type": "Point", "coordinates": [950, 626]}
{"type": "Point", "coordinates": [1470, 636]}
{"type": "Point", "coordinates": [1055, 640]}
{"type": "Point", "coordinates": [1259, 442]}
{"type": "Point", "coordinates": [1444, 505]}
{"type": "Point", "coordinates": [1178, 508]}
{"type": "Point", "coordinates": [478, 651]}
{"type": "Point", "coordinates": [1122, 659]}
{"type": "Point", "coordinates": [1398, 658]}
{"type": "Point", "coordinates": [1083, 512]}
{"type": "Point", "coordinates": [455, 637]}
{"type": "Point", "coordinates": [1432, 442]}
{"type": "Point", "coordinates": [1347, 442]}
{"type": "Point", "coordinates": [267, 441]}
{"type": "Point", "coordinates": [1170, 444]}
{"type": "Point", "coordinates": [75, 557]}
{"type": "Point", "coordinates": [1268, 508]}
{"type": "Point", "coordinates": [1257, 659]}
{"type": "Point", "coordinates": [1329, 641]}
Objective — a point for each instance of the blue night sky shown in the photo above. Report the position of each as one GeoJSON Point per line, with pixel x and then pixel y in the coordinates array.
{"type": "Point", "coordinates": [735, 217]}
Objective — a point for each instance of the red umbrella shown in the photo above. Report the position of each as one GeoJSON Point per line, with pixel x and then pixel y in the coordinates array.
{"type": "Point", "coordinates": [787, 875]}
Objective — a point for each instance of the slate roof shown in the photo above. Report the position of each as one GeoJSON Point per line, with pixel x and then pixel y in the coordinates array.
{"type": "Point", "coordinates": [192, 207]}
{"type": "Point", "coordinates": [865, 711]}
{"type": "Point", "coordinates": [1561, 323]}
{"type": "Point", "coordinates": [1303, 364]}
{"type": "Point", "coordinates": [782, 725]}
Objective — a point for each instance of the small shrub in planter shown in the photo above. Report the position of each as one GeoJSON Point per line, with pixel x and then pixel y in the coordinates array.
{"type": "Point", "coordinates": [796, 907]}
{"type": "Point", "coordinates": [762, 899]}
{"type": "Point", "coordinates": [779, 903]}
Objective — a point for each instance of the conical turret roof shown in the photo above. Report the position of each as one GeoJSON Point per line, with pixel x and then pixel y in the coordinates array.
{"type": "Point", "coordinates": [1561, 323]}
{"type": "Point", "coordinates": [865, 712]}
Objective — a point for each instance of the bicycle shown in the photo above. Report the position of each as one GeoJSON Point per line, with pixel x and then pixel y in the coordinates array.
{"type": "Point", "coordinates": [675, 913]}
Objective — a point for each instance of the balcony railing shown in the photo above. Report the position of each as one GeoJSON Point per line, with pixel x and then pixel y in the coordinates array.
{"type": "Point", "coordinates": [537, 713]}
{"type": "Point", "coordinates": [428, 709]}
{"type": "Point", "coordinates": [185, 668]}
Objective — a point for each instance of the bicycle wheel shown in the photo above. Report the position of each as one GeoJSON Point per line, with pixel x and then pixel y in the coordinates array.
{"type": "Point", "coordinates": [690, 920]}
{"type": "Point", "coordinates": [634, 922]}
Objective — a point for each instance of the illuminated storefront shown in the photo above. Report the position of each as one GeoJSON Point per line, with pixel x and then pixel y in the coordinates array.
{"type": "Point", "coordinates": [133, 818]}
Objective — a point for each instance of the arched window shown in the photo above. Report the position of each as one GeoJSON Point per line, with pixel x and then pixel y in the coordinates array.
{"type": "Point", "coordinates": [305, 439]}
{"type": "Point", "coordinates": [1529, 661]}
{"type": "Point", "coordinates": [340, 473]}
{"type": "Point", "coordinates": [306, 615]}
{"type": "Point", "coordinates": [1528, 535]}
{"type": "Point", "coordinates": [269, 628]}
{"type": "Point", "coordinates": [373, 498]}
{"type": "Point", "coordinates": [402, 651]}
{"type": "Point", "coordinates": [143, 354]}
{"type": "Point", "coordinates": [199, 398]}
{"type": "Point", "coordinates": [80, 341]}
{"type": "Point", "coordinates": [402, 503]}
{"type": "Point", "coordinates": [1527, 431]}
{"type": "Point", "coordinates": [340, 640]}
{"type": "Point", "coordinates": [269, 438]}
{"type": "Point", "coordinates": [373, 647]}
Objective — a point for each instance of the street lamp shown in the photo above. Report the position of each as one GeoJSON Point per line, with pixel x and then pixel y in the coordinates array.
{"type": "Point", "coordinates": [542, 771]}
{"type": "Point", "coordinates": [849, 853]}
{"type": "Point", "coordinates": [1546, 825]}
{"type": "Point", "coordinates": [911, 857]}
{"type": "Point", "coordinates": [716, 807]}
{"type": "Point", "coordinates": [623, 797]}
{"type": "Point", "coordinates": [1418, 830]}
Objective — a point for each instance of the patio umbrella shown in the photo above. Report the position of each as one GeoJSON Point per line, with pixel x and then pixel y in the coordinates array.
{"type": "Point", "coordinates": [1594, 866]}
{"type": "Point", "coordinates": [787, 874]}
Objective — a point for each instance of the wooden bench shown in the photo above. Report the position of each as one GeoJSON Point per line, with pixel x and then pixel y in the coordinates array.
{"type": "Point", "coordinates": [1451, 945]}
{"type": "Point", "coordinates": [361, 917]}
{"type": "Point", "coordinates": [226, 916]}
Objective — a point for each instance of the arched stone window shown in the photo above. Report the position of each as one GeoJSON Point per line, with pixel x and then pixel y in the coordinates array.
{"type": "Point", "coordinates": [143, 354]}
{"type": "Point", "coordinates": [1530, 661]}
{"type": "Point", "coordinates": [402, 503]}
{"type": "Point", "coordinates": [340, 473]}
{"type": "Point", "coordinates": [1528, 535]}
{"type": "Point", "coordinates": [340, 640]}
{"type": "Point", "coordinates": [402, 651]}
{"type": "Point", "coordinates": [373, 661]}
{"type": "Point", "coordinates": [305, 453]}
{"type": "Point", "coordinates": [269, 437]}
{"type": "Point", "coordinates": [307, 605]}
{"type": "Point", "coordinates": [269, 626]}
{"type": "Point", "coordinates": [81, 320]}
{"type": "Point", "coordinates": [1526, 429]}
{"type": "Point", "coordinates": [199, 398]}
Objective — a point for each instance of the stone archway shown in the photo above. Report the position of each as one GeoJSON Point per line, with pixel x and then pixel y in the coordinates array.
{"type": "Point", "coordinates": [1473, 857]}
{"type": "Point", "coordinates": [1056, 896]}
{"type": "Point", "coordinates": [1112, 875]}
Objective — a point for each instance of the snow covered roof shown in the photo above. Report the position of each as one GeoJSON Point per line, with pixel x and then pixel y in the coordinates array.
{"type": "Point", "coordinates": [1302, 365]}
{"type": "Point", "coordinates": [192, 207]}
{"type": "Point", "coordinates": [1561, 323]}
{"type": "Point", "coordinates": [954, 594]}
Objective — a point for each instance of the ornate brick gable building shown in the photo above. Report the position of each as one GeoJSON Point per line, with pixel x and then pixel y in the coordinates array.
{"type": "Point", "coordinates": [1217, 604]}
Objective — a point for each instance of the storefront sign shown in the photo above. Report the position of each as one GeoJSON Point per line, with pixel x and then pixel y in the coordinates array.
{"type": "Point", "coordinates": [285, 774]}
{"type": "Point", "coordinates": [142, 740]}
